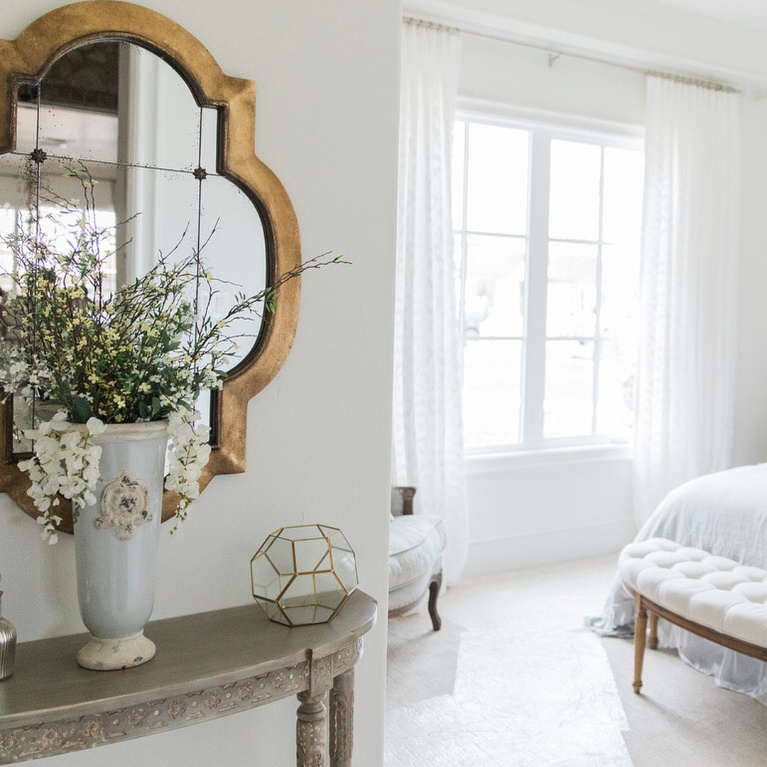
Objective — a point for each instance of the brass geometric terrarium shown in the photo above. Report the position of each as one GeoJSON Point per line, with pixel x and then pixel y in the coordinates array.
{"type": "Point", "coordinates": [303, 574]}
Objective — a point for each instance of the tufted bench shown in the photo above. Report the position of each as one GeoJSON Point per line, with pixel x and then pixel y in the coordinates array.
{"type": "Point", "coordinates": [714, 597]}
{"type": "Point", "coordinates": [416, 542]}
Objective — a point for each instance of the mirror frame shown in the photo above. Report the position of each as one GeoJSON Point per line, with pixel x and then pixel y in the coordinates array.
{"type": "Point", "coordinates": [31, 55]}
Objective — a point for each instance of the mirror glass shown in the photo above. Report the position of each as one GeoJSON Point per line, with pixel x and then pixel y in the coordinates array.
{"type": "Point", "coordinates": [133, 122]}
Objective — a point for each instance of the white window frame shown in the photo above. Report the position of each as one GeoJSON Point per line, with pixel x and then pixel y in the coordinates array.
{"type": "Point", "coordinates": [545, 127]}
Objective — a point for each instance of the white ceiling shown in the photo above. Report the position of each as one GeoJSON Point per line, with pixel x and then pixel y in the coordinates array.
{"type": "Point", "coordinates": [747, 13]}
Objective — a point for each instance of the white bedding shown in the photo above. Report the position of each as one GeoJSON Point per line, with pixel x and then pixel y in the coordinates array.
{"type": "Point", "coordinates": [724, 513]}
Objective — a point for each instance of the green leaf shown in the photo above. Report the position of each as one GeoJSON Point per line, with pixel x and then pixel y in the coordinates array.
{"type": "Point", "coordinates": [82, 409]}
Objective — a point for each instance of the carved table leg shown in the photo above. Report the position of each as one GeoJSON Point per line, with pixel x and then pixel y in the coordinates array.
{"type": "Point", "coordinates": [342, 720]}
{"type": "Point", "coordinates": [310, 730]}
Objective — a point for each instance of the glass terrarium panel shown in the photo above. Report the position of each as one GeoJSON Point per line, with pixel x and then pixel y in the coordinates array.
{"type": "Point", "coordinates": [266, 582]}
{"type": "Point", "coordinates": [345, 568]}
{"type": "Point", "coordinates": [264, 547]}
{"type": "Point", "coordinates": [280, 554]}
{"type": "Point", "coordinates": [323, 614]}
{"type": "Point", "coordinates": [300, 592]}
{"type": "Point", "coordinates": [328, 590]}
{"type": "Point", "coordinates": [336, 538]}
{"type": "Point", "coordinates": [301, 616]}
{"type": "Point", "coordinates": [301, 532]}
{"type": "Point", "coordinates": [312, 554]}
{"type": "Point", "coordinates": [273, 612]}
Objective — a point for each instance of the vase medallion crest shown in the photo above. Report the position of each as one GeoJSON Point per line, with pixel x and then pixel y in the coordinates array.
{"type": "Point", "coordinates": [124, 505]}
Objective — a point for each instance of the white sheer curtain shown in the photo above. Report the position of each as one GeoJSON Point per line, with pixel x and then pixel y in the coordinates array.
{"type": "Point", "coordinates": [685, 389]}
{"type": "Point", "coordinates": [427, 446]}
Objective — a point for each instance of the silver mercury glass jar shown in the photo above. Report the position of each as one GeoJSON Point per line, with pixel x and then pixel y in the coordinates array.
{"type": "Point", "coordinates": [7, 645]}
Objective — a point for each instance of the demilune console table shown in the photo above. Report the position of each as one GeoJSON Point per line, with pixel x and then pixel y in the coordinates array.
{"type": "Point", "coordinates": [207, 665]}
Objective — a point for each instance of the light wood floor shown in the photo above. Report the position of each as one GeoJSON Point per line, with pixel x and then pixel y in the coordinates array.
{"type": "Point", "coordinates": [514, 680]}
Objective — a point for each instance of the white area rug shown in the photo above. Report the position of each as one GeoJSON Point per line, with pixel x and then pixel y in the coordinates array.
{"type": "Point", "coordinates": [522, 685]}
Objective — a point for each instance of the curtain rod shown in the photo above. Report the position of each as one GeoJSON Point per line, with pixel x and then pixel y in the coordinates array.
{"type": "Point", "coordinates": [555, 54]}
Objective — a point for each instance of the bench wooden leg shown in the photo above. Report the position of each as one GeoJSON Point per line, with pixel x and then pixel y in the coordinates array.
{"type": "Point", "coordinates": [653, 631]}
{"type": "Point", "coordinates": [640, 637]}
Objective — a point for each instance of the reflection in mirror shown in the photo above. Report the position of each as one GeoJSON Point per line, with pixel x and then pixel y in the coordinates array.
{"type": "Point", "coordinates": [133, 122]}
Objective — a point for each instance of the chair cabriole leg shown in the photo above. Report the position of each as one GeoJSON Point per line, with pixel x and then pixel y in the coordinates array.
{"type": "Point", "coordinates": [434, 587]}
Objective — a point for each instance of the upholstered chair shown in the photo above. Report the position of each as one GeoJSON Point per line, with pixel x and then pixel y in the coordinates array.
{"type": "Point", "coordinates": [416, 542]}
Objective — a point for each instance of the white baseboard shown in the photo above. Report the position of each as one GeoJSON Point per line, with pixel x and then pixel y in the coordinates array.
{"type": "Point", "coordinates": [499, 556]}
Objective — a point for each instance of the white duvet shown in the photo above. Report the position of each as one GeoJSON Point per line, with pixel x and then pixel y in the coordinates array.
{"type": "Point", "coordinates": [724, 513]}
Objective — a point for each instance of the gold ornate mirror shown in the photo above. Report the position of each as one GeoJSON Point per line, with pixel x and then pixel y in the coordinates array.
{"type": "Point", "coordinates": [170, 138]}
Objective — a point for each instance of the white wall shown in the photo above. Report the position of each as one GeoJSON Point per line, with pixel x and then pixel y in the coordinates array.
{"type": "Point", "coordinates": [536, 509]}
{"type": "Point", "coordinates": [318, 437]}
{"type": "Point", "coordinates": [751, 410]}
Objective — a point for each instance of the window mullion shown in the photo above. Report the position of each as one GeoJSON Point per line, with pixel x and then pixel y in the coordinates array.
{"type": "Point", "coordinates": [598, 307]}
{"type": "Point", "coordinates": [463, 226]}
{"type": "Point", "coordinates": [533, 385]}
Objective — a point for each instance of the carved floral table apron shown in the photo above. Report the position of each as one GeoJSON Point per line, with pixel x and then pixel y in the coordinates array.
{"type": "Point", "coordinates": [207, 665]}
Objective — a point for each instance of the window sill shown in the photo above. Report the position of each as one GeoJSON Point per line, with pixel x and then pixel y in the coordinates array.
{"type": "Point", "coordinates": [518, 459]}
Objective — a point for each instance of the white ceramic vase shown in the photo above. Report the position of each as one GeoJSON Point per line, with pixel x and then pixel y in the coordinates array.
{"type": "Point", "coordinates": [116, 544]}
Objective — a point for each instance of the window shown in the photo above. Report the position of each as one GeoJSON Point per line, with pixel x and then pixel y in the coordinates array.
{"type": "Point", "coordinates": [547, 226]}
{"type": "Point", "coordinates": [56, 226]}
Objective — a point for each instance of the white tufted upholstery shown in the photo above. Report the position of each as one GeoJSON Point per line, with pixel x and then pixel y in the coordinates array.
{"type": "Point", "coordinates": [712, 591]}
{"type": "Point", "coordinates": [415, 555]}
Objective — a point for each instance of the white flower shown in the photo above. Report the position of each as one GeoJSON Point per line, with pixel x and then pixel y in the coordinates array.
{"type": "Point", "coordinates": [64, 462]}
{"type": "Point", "coordinates": [95, 426]}
{"type": "Point", "coordinates": [188, 453]}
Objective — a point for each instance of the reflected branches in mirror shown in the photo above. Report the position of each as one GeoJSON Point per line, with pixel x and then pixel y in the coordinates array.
{"type": "Point", "coordinates": [152, 150]}
{"type": "Point", "coordinates": [143, 352]}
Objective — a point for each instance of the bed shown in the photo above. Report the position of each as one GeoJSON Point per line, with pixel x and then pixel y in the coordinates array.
{"type": "Point", "coordinates": [724, 513]}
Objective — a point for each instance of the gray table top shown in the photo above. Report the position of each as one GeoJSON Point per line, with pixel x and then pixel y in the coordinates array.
{"type": "Point", "coordinates": [193, 652]}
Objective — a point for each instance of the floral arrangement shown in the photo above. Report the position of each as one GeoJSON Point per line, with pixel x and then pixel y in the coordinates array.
{"type": "Point", "coordinates": [144, 352]}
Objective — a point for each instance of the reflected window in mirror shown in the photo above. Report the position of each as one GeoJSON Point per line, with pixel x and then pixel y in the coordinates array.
{"type": "Point", "coordinates": [133, 123]}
